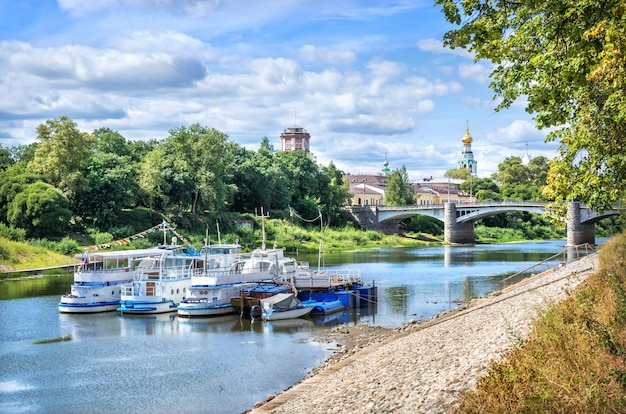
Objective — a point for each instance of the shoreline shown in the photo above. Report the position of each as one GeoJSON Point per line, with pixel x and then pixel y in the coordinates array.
{"type": "Point", "coordinates": [425, 366]}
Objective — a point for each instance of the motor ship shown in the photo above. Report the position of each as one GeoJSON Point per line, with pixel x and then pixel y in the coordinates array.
{"type": "Point", "coordinates": [226, 276]}
{"type": "Point", "coordinates": [160, 282]}
{"type": "Point", "coordinates": [98, 278]}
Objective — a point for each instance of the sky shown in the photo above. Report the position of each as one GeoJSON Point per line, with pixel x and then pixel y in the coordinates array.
{"type": "Point", "coordinates": [369, 80]}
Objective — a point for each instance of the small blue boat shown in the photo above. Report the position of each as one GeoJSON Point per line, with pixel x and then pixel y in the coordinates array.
{"type": "Point", "coordinates": [325, 307]}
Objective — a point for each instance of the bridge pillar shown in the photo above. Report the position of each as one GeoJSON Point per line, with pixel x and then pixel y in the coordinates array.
{"type": "Point", "coordinates": [577, 232]}
{"type": "Point", "coordinates": [456, 233]}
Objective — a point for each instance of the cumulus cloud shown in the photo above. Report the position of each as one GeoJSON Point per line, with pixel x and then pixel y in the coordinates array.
{"type": "Point", "coordinates": [316, 54]}
{"type": "Point", "coordinates": [436, 46]}
{"type": "Point", "coordinates": [476, 71]}
{"type": "Point", "coordinates": [87, 67]}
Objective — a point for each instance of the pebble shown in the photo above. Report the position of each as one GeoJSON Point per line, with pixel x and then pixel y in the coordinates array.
{"type": "Point", "coordinates": [427, 367]}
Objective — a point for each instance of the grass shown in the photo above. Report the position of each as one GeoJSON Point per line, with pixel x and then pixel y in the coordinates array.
{"type": "Point", "coordinates": [574, 360]}
{"type": "Point", "coordinates": [23, 256]}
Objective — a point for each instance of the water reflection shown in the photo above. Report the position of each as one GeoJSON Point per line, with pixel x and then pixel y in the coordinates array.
{"type": "Point", "coordinates": [397, 298]}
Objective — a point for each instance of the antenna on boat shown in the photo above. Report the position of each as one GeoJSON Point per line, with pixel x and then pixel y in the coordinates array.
{"type": "Point", "coordinates": [219, 237]}
{"type": "Point", "coordinates": [206, 248]}
{"type": "Point", "coordinates": [263, 228]}
{"type": "Point", "coordinates": [165, 226]}
{"type": "Point", "coordinates": [321, 248]}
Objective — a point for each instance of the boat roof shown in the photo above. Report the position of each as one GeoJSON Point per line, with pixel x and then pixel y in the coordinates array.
{"type": "Point", "coordinates": [277, 298]}
{"type": "Point", "coordinates": [127, 253]}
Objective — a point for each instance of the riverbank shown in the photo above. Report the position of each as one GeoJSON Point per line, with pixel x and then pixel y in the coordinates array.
{"type": "Point", "coordinates": [424, 367]}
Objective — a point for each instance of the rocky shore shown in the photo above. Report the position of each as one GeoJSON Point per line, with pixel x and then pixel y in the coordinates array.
{"type": "Point", "coordinates": [424, 366]}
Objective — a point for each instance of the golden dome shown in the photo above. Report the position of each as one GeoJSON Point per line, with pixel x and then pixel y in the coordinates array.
{"type": "Point", "coordinates": [467, 138]}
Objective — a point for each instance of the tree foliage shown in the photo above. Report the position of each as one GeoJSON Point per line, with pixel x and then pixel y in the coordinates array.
{"type": "Point", "coordinates": [399, 191]}
{"type": "Point", "coordinates": [458, 174]}
{"type": "Point", "coordinates": [62, 153]}
{"type": "Point", "coordinates": [41, 210]}
{"type": "Point", "coordinates": [566, 58]}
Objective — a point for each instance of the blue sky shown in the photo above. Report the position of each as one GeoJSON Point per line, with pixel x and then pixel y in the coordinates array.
{"type": "Point", "coordinates": [367, 79]}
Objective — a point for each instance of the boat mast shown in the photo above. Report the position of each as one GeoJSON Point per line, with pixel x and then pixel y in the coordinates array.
{"type": "Point", "coordinates": [263, 228]}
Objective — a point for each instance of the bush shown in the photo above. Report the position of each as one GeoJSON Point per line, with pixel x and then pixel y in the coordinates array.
{"type": "Point", "coordinates": [102, 238]}
{"type": "Point", "coordinates": [66, 246]}
{"type": "Point", "coordinates": [12, 233]}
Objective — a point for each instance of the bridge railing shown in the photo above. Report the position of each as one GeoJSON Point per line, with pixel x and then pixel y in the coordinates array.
{"type": "Point", "coordinates": [467, 204]}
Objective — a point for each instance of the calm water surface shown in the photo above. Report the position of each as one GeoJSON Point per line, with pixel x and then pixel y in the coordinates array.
{"type": "Point", "coordinates": [111, 363]}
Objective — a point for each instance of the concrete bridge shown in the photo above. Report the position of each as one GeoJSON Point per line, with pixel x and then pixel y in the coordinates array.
{"type": "Point", "coordinates": [459, 219]}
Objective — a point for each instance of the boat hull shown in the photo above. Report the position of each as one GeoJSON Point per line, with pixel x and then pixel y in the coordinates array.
{"type": "Point", "coordinates": [145, 308]}
{"type": "Point", "coordinates": [205, 310]}
{"type": "Point", "coordinates": [89, 307]}
{"type": "Point", "coordinates": [299, 312]}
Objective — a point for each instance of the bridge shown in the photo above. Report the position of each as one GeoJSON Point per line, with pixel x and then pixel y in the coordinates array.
{"type": "Point", "coordinates": [459, 219]}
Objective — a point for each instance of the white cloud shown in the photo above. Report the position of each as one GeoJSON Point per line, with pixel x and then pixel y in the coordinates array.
{"type": "Point", "coordinates": [436, 46]}
{"type": "Point", "coordinates": [475, 71]}
{"type": "Point", "coordinates": [311, 53]}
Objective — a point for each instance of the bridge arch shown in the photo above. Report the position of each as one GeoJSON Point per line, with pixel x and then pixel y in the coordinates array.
{"type": "Point", "coordinates": [459, 219]}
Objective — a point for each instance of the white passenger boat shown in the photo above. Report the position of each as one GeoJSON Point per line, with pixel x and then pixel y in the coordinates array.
{"type": "Point", "coordinates": [227, 273]}
{"type": "Point", "coordinates": [98, 278]}
{"type": "Point", "coordinates": [160, 283]}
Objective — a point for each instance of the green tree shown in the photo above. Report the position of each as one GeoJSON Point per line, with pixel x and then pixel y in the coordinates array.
{"type": "Point", "coordinates": [5, 159]}
{"type": "Point", "coordinates": [41, 210]}
{"type": "Point", "coordinates": [302, 177]}
{"type": "Point", "coordinates": [521, 182]}
{"type": "Point", "coordinates": [113, 186]}
{"type": "Point", "coordinates": [334, 194]}
{"type": "Point", "coordinates": [188, 170]}
{"type": "Point", "coordinates": [458, 174]}
{"type": "Point", "coordinates": [476, 185]}
{"type": "Point", "coordinates": [61, 155]}
{"type": "Point", "coordinates": [566, 59]}
{"type": "Point", "coordinates": [111, 142]}
{"type": "Point", "coordinates": [400, 191]}
{"type": "Point", "coordinates": [12, 182]}
{"type": "Point", "coordinates": [154, 174]}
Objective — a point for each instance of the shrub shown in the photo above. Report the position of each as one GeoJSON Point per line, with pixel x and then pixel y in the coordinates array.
{"type": "Point", "coordinates": [66, 246]}
{"type": "Point", "coordinates": [12, 233]}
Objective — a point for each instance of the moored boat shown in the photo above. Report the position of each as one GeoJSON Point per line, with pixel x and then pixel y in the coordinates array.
{"type": "Point", "coordinates": [98, 278]}
{"type": "Point", "coordinates": [212, 291]}
{"type": "Point", "coordinates": [251, 296]}
{"type": "Point", "coordinates": [160, 283]}
{"type": "Point", "coordinates": [282, 306]}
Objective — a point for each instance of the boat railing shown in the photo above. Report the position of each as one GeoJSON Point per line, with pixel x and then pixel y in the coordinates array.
{"type": "Point", "coordinates": [98, 275]}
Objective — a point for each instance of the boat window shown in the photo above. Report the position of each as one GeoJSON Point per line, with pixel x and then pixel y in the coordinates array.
{"type": "Point", "coordinates": [177, 291]}
{"type": "Point", "coordinates": [172, 291]}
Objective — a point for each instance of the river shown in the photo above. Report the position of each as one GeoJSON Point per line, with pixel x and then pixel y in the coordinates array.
{"type": "Point", "coordinates": [107, 363]}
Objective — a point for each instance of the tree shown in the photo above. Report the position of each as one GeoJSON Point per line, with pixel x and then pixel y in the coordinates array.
{"type": "Point", "coordinates": [41, 210]}
{"type": "Point", "coordinates": [12, 182]}
{"type": "Point", "coordinates": [400, 191]}
{"type": "Point", "coordinates": [334, 194]}
{"type": "Point", "coordinates": [188, 170]}
{"type": "Point", "coordinates": [567, 60]}
{"type": "Point", "coordinates": [112, 187]}
{"type": "Point", "coordinates": [302, 174]}
{"type": "Point", "coordinates": [521, 182]}
{"type": "Point", "coordinates": [61, 155]}
{"type": "Point", "coordinates": [5, 159]}
{"type": "Point", "coordinates": [111, 142]}
{"type": "Point", "coordinates": [458, 174]}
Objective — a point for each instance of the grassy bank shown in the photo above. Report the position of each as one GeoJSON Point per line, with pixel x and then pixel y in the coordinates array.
{"type": "Point", "coordinates": [574, 361]}
{"type": "Point", "coordinates": [34, 254]}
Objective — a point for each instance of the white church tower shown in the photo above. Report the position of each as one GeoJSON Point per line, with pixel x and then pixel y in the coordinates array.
{"type": "Point", "coordinates": [467, 161]}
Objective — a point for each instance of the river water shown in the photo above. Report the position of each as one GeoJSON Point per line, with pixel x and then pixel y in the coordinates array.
{"type": "Point", "coordinates": [107, 363]}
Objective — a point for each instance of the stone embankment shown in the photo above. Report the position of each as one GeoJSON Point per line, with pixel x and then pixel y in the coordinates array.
{"type": "Point", "coordinates": [423, 367]}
